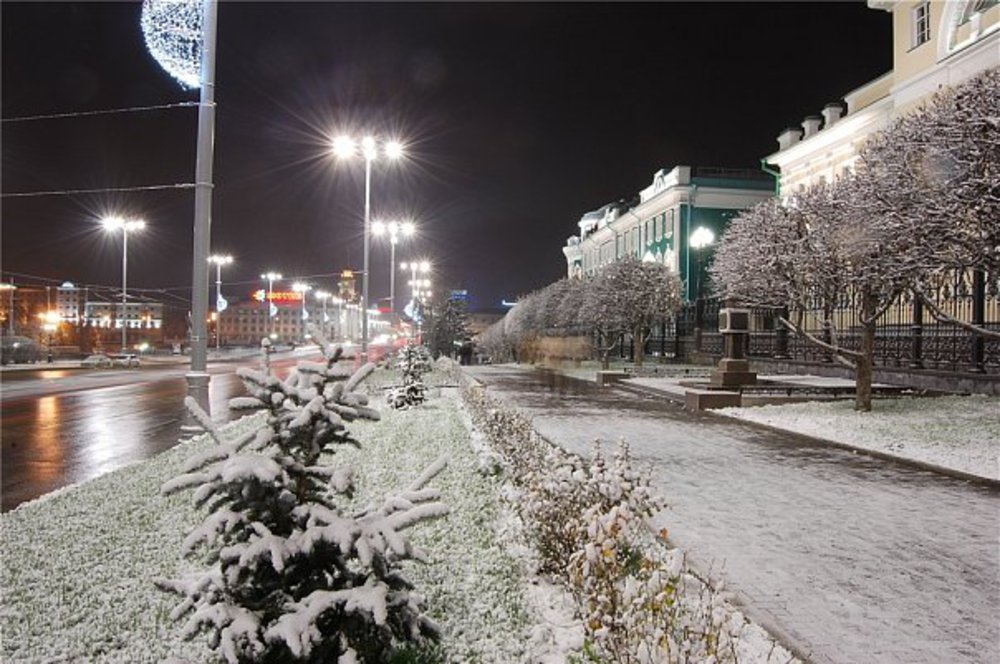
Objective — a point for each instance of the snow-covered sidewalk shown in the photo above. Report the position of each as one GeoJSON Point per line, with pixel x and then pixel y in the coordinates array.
{"type": "Point", "coordinates": [960, 433]}
{"type": "Point", "coordinates": [846, 558]}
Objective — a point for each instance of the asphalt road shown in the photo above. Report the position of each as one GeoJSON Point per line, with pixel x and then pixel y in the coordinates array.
{"type": "Point", "coordinates": [64, 426]}
{"type": "Point", "coordinates": [849, 558]}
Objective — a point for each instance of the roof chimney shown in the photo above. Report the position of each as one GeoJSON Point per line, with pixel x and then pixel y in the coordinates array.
{"type": "Point", "coordinates": [789, 137]}
{"type": "Point", "coordinates": [831, 114]}
{"type": "Point", "coordinates": [811, 125]}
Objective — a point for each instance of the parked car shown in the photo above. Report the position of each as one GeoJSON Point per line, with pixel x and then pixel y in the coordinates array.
{"type": "Point", "coordinates": [127, 360]}
{"type": "Point", "coordinates": [96, 361]}
{"type": "Point", "coordinates": [19, 350]}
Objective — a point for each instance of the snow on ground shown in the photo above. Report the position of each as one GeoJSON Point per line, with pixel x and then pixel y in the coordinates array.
{"type": "Point", "coordinates": [78, 567]}
{"type": "Point", "coordinates": [957, 432]}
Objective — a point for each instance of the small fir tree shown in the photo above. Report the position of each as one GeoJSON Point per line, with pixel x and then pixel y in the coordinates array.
{"type": "Point", "coordinates": [413, 361]}
{"type": "Point", "coordinates": [293, 577]}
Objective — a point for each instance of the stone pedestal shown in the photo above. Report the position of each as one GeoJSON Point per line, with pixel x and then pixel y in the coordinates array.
{"type": "Point", "coordinates": [732, 373]}
{"type": "Point", "coordinates": [734, 369]}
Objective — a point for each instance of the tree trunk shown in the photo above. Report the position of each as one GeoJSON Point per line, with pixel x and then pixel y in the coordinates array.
{"type": "Point", "coordinates": [863, 375]}
{"type": "Point", "coordinates": [638, 346]}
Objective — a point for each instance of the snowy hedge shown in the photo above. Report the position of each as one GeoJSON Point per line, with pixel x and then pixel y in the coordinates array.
{"type": "Point", "coordinates": [586, 523]}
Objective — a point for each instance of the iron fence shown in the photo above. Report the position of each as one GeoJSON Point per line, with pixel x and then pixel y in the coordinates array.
{"type": "Point", "coordinates": [907, 335]}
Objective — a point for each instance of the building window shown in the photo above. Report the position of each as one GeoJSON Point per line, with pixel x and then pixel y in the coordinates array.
{"type": "Point", "coordinates": [920, 24]}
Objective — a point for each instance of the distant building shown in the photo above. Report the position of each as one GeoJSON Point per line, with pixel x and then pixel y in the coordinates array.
{"type": "Point", "coordinates": [246, 322]}
{"type": "Point", "coordinates": [143, 322]}
{"type": "Point", "coordinates": [935, 44]}
{"type": "Point", "coordinates": [658, 226]}
{"type": "Point", "coordinates": [70, 302]}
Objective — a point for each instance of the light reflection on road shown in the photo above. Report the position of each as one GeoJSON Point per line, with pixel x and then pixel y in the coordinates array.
{"type": "Point", "coordinates": [82, 430]}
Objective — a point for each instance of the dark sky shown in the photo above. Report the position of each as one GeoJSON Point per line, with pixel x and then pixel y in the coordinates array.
{"type": "Point", "coordinates": [518, 119]}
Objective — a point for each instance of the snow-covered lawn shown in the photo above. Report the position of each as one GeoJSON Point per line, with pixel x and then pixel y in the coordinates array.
{"type": "Point", "coordinates": [78, 567]}
{"type": "Point", "coordinates": [957, 432]}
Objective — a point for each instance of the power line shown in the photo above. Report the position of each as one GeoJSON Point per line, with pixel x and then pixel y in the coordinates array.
{"type": "Point", "coordinates": [77, 192]}
{"type": "Point", "coordinates": [109, 111]}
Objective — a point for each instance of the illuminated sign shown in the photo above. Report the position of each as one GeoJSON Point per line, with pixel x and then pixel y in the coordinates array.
{"type": "Point", "coordinates": [278, 297]}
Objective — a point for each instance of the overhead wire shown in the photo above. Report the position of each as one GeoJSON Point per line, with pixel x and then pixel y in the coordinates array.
{"type": "Point", "coordinates": [108, 111]}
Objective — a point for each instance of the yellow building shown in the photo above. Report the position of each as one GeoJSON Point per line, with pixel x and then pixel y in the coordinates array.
{"type": "Point", "coordinates": [935, 44]}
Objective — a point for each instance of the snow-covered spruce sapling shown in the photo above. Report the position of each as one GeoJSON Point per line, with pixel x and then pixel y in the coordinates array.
{"type": "Point", "coordinates": [293, 577]}
{"type": "Point", "coordinates": [413, 362]}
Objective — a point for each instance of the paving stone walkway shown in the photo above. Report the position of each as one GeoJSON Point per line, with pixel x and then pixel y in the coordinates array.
{"type": "Point", "coordinates": [850, 559]}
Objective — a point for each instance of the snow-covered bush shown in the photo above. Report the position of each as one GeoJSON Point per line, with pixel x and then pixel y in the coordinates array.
{"type": "Point", "coordinates": [586, 522]}
{"type": "Point", "coordinates": [293, 577]}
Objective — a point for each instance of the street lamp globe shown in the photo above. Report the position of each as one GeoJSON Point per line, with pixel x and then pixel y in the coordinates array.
{"type": "Point", "coordinates": [344, 146]}
{"type": "Point", "coordinates": [393, 149]}
{"type": "Point", "coordinates": [702, 237]}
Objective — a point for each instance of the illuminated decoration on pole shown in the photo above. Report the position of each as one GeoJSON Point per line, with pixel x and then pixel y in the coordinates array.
{"type": "Point", "coordinates": [277, 296]}
{"type": "Point", "coordinates": [172, 30]}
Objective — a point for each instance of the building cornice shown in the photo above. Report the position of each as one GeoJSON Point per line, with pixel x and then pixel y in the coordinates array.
{"type": "Point", "coordinates": [846, 129]}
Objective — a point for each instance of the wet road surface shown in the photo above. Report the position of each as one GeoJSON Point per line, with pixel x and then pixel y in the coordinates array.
{"type": "Point", "coordinates": [62, 427]}
{"type": "Point", "coordinates": [849, 558]}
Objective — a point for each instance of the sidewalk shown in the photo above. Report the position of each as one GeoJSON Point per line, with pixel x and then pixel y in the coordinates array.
{"type": "Point", "coordinates": [954, 433]}
{"type": "Point", "coordinates": [847, 557]}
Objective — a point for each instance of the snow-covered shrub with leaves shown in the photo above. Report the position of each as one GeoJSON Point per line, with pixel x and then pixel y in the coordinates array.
{"type": "Point", "coordinates": [293, 577]}
{"type": "Point", "coordinates": [413, 362]}
{"type": "Point", "coordinates": [586, 521]}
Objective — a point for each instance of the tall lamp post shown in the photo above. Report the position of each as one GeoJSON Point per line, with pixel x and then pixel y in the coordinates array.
{"type": "Point", "coordinates": [271, 309]}
{"type": "Point", "coordinates": [414, 267]}
{"type": "Point", "coordinates": [126, 226]}
{"type": "Point", "coordinates": [220, 302]}
{"type": "Point", "coordinates": [10, 288]}
{"type": "Point", "coordinates": [344, 147]}
{"type": "Point", "coordinates": [300, 287]}
{"type": "Point", "coordinates": [394, 229]}
{"type": "Point", "coordinates": [323, 296]}
{"type": "Point", "coordinates": [700, 239]}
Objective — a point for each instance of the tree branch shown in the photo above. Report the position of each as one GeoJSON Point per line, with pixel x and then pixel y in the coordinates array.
{"type": "Point", "coordinates": [837, 351]}
{"type": "Point", "coordinates": [942, 317]}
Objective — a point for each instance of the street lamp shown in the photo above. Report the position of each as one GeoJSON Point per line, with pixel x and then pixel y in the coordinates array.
{"type": "Point", "coordinates": [271, 309]}
{"type": "Point", "coordinates": [394, 229]}
{"type": "Point", "coordinates": [700, 238]}
{"type": "Point", "coordinates": [414, 267]}
{"type": "Point", "coordinates": [50, 323]}
{"type": "Point", "coordinates": [345, 147]}
{"type": "Point", "coordinates": [220, 302]}
{"type": "Point", "coordinates": [10, 312]}
{"type": "Point", "coordinates": [323, 296]}
{"type": "Point", "coordinates": [340, 316]}
{"type": "Point", "coordinates": [114, 224]}
{"type": "Point", "coordinates": [300, 287]}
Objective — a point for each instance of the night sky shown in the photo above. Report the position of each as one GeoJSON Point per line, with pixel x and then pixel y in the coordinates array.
{"type": "Point", "coordinates": [518, 119]}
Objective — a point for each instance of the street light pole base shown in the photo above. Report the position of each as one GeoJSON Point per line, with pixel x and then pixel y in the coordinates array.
{"type": "Point", "coordinates": [198, 388]}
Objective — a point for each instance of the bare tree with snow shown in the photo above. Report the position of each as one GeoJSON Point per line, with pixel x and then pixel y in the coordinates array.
{"type": "Point", "coordinates": [932, 182]}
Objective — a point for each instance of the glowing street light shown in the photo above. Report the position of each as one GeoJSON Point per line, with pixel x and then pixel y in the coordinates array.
{"type": "Point", "coordinates": [701, 237]}
{"type": "Point", "coordinates": [345, 147]}
{"type": "Point", "coordinates": [394, 229]}
{"type": "Point", "coordinates": [271, 309]}
{"type": "Point", "coordinates": [10, 288]}
{"type": "Point", "coordinates": [220, 302]}
{"type": "Point", "coordinates": [126, 226]}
